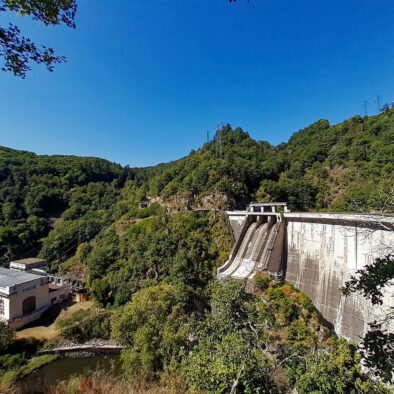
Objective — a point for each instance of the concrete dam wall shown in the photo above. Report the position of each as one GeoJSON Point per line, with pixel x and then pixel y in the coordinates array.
{"type": "Point", "coordinates": [317, 253]}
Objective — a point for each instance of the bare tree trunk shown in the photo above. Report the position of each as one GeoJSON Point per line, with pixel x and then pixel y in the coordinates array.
{"type": "Point", "coordinates": [236, 382]}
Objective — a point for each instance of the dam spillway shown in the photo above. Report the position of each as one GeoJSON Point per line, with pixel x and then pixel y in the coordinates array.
{"type": "Point", "coordinates": [253, 250]}
{"type": "Point", "coordinates": [317, 253]}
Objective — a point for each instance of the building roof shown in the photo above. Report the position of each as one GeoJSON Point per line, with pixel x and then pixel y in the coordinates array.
{"type": "Point", "coordinates": [30, 260]}
{"type": "Point", "coordinates": [10, 278]}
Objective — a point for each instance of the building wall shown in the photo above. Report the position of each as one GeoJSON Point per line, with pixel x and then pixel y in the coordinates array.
{"type": "Point", "coordinates": [6, 307]}
{"type": "Point", "coordinates": [26, 319]}
{"type": "Point", "coordinates": [237, 222]}
{"type": "Point", "coordinates": [37, 288]}
{"type": "Point", "coordinates": [58, 295]}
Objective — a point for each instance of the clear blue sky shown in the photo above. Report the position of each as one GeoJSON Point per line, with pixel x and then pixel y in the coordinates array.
{"type": "Point", "coordinates": [146, 79]}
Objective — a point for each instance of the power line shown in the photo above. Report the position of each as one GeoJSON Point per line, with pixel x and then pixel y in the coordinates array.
{"type": "Point", "coordinates": [77, 239]}
{"type": "Point", "coordinates": [75, 242]}
{"type": "Point", "coordinates": [29, 252]}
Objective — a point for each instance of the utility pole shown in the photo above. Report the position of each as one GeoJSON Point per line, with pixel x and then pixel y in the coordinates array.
{"type": "Point", "coordinates": [378, 101]}
{"type": "Point", "coordinates": [219, 145]}
{"type": "Point", "coordinates": [219, 148]}
{"type": "Point", "coordinates": [366, 107]}
{"type": "Point", "coordinates": [207, 136]}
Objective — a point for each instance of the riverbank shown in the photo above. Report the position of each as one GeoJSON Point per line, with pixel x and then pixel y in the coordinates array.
{"type": "Point", "coordinates": [111, 349]}
{"type": "Point", "coordinates": [35, 363]}
{"type": "Point", "coordinates": [103, 380]}
{"type": "Point", "coordinates": [68, 369]}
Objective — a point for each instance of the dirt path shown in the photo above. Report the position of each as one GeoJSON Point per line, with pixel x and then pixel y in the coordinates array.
{"type": "Point", "coordinates": [44, 328]}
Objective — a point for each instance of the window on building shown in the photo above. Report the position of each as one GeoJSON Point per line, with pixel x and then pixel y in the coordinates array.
{"type": "Point", "coordinates": [1, 307]}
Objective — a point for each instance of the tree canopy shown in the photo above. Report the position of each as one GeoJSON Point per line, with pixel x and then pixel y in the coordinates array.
{"type": "Point", "coordinates": [17, 50]}
{"type": "Point", "coordinates": [36, 190]}
{"type": "Point", "coordinates": [377, 346]}
{"type": "Point", "coordinates": [56, 203]}
{"type": "Point", "coordinates": [343, 167]}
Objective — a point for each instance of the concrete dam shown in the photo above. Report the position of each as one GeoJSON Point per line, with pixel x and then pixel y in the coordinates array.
{"type": "Point", "coordinates": [317, 253]}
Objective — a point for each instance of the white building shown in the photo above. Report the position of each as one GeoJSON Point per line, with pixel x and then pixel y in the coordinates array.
{"type": "Point", "coordinates": [24, 296]}
{"type": "Point", "coordinates": [30, 264]}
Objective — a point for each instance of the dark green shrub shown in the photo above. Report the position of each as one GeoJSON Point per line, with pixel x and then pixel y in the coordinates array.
{"type": "Point", "coordinates": [288, 311]}
{"type": "Point", "coordinates": [275, 294]}
{"type": "Point", "coordinates": [298, 331]}
{"type": "Point", "coordinates": [262, 281]}
{"type": "Point", "coordinates": [86, 324]}
{"type": "Point", "coordinates": [5, 336]}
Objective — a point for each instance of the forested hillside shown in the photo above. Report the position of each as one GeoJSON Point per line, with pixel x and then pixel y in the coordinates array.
{"type": "Point", "coordinates": [345, 167]}
{"type": "Point", "coordinates": [322, 167]}
{"type": "Point", "coordinates": [151, 269]}
{"type": "Point", "coordinates": [36, 190]}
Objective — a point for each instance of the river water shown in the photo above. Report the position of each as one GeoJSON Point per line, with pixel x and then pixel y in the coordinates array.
{"type": "Point", "coordinates": [40, 380]}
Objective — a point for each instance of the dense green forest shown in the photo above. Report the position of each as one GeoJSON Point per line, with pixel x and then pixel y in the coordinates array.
{"type": "Point", "coordinates": [36, 190]}
{"type": "Point", "coordinates": [345, 167]}
{"type": "Point", "coordinates": [150, 267]}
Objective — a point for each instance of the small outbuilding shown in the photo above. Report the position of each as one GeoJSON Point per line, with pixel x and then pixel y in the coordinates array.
{"type": "Point", "coordinates": [29, 264]}
{"type": "Point", "coordinates": [82, 295]}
